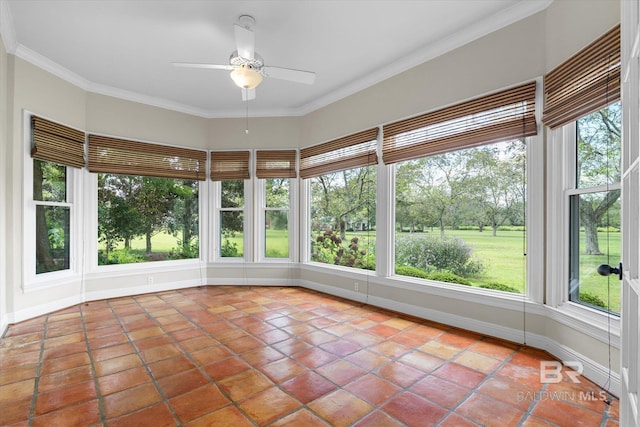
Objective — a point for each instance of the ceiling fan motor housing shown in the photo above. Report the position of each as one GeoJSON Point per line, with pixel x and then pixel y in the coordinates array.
{"type": "Point", "coordinates": [255, 64]}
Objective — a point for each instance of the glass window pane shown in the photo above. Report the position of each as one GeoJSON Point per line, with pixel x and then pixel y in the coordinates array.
{"type": "Point", "coordinates": [593, 244]}
{"type": "Point", "coordinates": [231, 234]}
{"type": "Point", "coordinates": [277, 192]}
{"type": "Point", "coordinates": [143, 219]}
{"type": "Point", "coordinates": [460, 217]}
{"type": "Point", "coordinates": [52, 238]}
{"type": "Point", "coordinates": [276, 234]}
{"type": "Point", "coordinates": [232, 194]}
{"type": "Point", "coordinates": [343, 218]}
{"type": "Point", "coordinates": [49, 182]}
{"type": "Point", "coordinates": [598, 147]}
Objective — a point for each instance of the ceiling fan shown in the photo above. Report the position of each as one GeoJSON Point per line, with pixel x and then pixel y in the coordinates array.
{"type": "Point", "coordinates": [247, 66]}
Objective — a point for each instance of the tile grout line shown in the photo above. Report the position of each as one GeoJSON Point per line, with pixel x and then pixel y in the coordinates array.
{"type": "Point", "coordinates": [144, 364]}
{"type": "Point", "coordinates": [148, 307]}
{"type": "Point", "coordinates": [36, 381]}
{"type": "Point", "coordinates": [96, 383]}
{"type": "Point", "coordinates": [188, 356]}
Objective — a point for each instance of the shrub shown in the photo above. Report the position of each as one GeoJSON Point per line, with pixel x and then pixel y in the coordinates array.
{"type": "Point", "coordinates": [592, 299]}
{"type": "Point", "coordinates": [435, 254]}
{"type": "Point", "coordinates": [191, 251]}
{"type": "Point", "coordinates": [125, 256]}
{"type": "Point", "coordinates": [500, 287]}
{"type": "Point", "coordinates": [229, 249]}
{"type": "Point", "coordinates": [405, 270]}
{"type": "Point", "coordinates": [330, 249]}
{"type": "Point", "coordinates": [448, 277]}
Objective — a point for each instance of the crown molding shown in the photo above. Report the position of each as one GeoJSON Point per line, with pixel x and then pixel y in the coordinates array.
{"type": "Point", "coordinates": [479, 29]}
{"type": "Point", "coordinates": [7, 31]}
{"type": "Point", "coordinates": [500, 20]}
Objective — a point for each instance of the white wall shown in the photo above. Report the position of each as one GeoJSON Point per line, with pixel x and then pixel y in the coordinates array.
{"type": "Point", "coordinates": [509, 56]}
{"type": "Point", "coordinates": [4, 142]}
{"type": "Point", "coordinates": [514, 54]}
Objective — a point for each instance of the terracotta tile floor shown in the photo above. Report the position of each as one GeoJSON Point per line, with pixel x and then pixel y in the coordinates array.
{"type": "Point", "coordinates": [277, 356]}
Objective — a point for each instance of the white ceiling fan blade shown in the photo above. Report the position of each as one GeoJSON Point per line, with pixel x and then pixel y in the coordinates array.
{"type": "Point", "coordinates": [248, 94]}
{"type": "Point", "coordinates": [299, 76]}
{"type": "Point", "coordinates": [245, 42]}
{"type": "Point", "coordinates": [200, 65]}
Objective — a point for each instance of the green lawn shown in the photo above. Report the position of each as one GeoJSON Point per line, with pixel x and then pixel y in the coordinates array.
{"type": "Point", "coordinates": [163, 246]}
{"type": "Point", "coordinates": [161, 242]}
{"type": "Point", "coordinates": [277, 244]}
{"type": "Point", "coordinates": [502, 256]}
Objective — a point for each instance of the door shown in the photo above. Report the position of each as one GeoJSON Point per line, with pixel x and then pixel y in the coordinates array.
{"type": "Point", "coordinates": [630, 295]}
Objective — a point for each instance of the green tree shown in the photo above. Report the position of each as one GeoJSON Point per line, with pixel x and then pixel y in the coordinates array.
{"type": "Point", "coordinates": [49, 184]}
{"type": "Point", "coordinates": [412, 186]}
{"type": "Point", "coordinates": [496, 186]}
{"type": "Point", "coordinates": [184, 215]}
{"type": "Point", "coordinates": [119, 219]}
{"type": "Point", "coordinates": [277, 196]}
{"type": "Point", "coordinates": [154, 202]}
{"type": "Point", "coordinates": [345, 199]}
{"type": "Point", "coordinates": [598, 145]}
{"type": "Point", "coordinates": [448, 187]}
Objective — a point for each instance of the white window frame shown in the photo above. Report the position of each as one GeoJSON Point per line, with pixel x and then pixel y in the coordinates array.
{"type": "Point", "coordinates": [33, 281]}
{"type": "Point", "coordinates": [247, 223]}
{"type": "Point", "coordinates": [91, 253]}
{"type": "Point", "coordinates": [261, 203]}
{"type": "Point", "coordinates": [534, 221]}
{"type": "Point", "coordinates": [385, 237]}
{"type": "Point", "coordinates": [561, 175]}
{"type": "Point", "coordinates": [305, 226]}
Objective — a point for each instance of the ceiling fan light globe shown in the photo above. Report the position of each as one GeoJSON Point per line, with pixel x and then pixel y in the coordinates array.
{"type": "Point", "coordinates": [246, 78]}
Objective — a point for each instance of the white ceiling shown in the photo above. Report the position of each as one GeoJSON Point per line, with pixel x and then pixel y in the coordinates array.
{"type": "Point", "coordinates": [124, 48]}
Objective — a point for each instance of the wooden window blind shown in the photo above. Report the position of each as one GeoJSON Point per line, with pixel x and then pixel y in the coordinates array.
{"type": "Point", "coordinates": [113, 155]}
{"type": "Point", "coordinates": [349, 152]}
{"type": "Point", "coordinates": [276, 164]}
{"type": "Point", "coordinates": [504, 115]}
{"type": "Point", "coordinates": [57, 143]}
{"type": "Point", "coordinates": [228, 165]}
{"type": "Point", "coordinates": [586, 82]}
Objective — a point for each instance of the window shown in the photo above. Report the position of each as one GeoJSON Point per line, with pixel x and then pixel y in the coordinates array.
{"type": "Point", "coordinates": [276, 218]}
{"type": "Point", "coordinates": [53, 216]}
{"type": "Point", "coordinates": [460, 217]}
{"type": "Point", "coordinates": [55, 150]}
{"type": "Point", "coordinates": [231, 169]}
{"type": "Point", "coordinates": [343, 215]}
{"type": "Point", "coordinates": [147, 200]}
{"type": "Point", "coordinates": [594, 206]}
{"type": "Point", "coordinates": [342, 192]}
{"type": "Point", "coordinates": [231, 219]}
{"type": "Point", "coordinates": [275, 168]}
{"type": "Point", "coordinates": [143, 219]}
{"type": "Point", "coordinates": [581, 96]}
{"type": "Point", "coordinates": [461, 190]}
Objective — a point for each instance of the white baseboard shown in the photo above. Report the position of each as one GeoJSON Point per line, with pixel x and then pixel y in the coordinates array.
{"type": "Point", "coordinates": [253, 282]}
{"type": "Point", "coordinates": [4, 324]}
{"type": "Point", "coordinates": [593, 371]}
{"type": "Point", "coordinates": [139, 290]}
{"type": "Point", "coordinates": [39, 310]}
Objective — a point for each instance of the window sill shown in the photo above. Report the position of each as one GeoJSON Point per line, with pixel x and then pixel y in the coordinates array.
{"type": "Point", "coordinates": [458, 292]}
{"type": "Point", "coordinates": [143, 267]}
{"type": "Point", "coordinates": [595, 323]}
{"type": "Point", "coordinates": [51, 280]}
